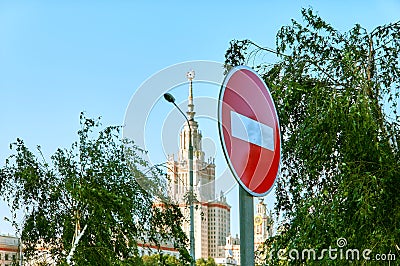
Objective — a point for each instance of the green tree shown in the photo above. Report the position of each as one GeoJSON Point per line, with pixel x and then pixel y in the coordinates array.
{"type": "Point", "coordinates": [162, 260]}
{"type": "Point", "coordinates": [86, 206]}
{"type": "Point", "coordinates": [206, 262]}
{"type": "Point", "coordinates": [336, 95]}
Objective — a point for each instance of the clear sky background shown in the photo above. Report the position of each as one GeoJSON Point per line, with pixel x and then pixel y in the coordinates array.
{"type": "Point", "coordinates": [58, 58]}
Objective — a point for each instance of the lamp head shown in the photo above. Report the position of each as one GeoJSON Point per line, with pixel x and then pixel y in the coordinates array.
{"type": "Point", "coordinates": [169, 97]}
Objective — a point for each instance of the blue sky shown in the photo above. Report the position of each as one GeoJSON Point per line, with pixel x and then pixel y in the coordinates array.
{"type": "Point", "coordinates": [60, 58]}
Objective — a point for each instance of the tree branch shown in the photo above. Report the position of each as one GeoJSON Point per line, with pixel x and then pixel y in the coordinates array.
{"type": "Point", "coordinates": [76, 242]}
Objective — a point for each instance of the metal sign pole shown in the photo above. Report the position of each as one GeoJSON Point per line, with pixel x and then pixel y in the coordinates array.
{"type": "Point", "coordinates": [246, 215]}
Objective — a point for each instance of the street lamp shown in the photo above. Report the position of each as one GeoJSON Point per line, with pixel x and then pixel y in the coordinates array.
{"type": "Point", "coordinates": [171, 99]}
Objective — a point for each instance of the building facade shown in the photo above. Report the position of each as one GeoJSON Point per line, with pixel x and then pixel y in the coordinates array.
{"type": "Point", "coordinates": [263, 224]}
{"type": "Point", "coordinates": [9, 249]}
{"type": "Point", "coordinates": [232, 249]}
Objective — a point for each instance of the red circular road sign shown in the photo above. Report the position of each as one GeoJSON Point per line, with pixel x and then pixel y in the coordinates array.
{"type": "Point", "coordinates": [249, 130]}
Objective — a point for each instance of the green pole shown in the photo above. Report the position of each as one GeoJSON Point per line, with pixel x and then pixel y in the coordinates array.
{"type": "Point", "coordinates": [246, 216]}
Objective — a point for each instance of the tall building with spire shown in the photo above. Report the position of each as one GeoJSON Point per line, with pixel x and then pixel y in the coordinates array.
{"type": "Point", "coordinates": [263, 224]}
{"type": "Point", "coordinates": [212, 212]}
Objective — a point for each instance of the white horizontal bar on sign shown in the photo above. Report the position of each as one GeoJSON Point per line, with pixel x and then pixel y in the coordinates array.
{"type": "Point", "coordinates": [252, 131]}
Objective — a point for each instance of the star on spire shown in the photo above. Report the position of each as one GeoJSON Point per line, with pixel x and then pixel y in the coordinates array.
{"type": "Point", "coordinates": [190, 112]}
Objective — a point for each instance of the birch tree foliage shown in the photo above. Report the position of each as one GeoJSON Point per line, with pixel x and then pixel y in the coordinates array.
{"type": "Point", "coordinates": [87, 199]}
{"type": "Point", "coordinates": [337, 96]}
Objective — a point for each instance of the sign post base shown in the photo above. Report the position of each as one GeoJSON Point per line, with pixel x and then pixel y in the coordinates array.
{"type": "Point", "coordinates": [246, 216]}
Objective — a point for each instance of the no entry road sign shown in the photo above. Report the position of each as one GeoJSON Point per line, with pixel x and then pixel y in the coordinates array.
{"type": "Point", "coordinates": [249, 130]}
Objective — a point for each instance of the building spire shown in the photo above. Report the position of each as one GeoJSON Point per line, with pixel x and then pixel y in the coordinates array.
{"type": "Point", "coordinates": [190, 112]}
